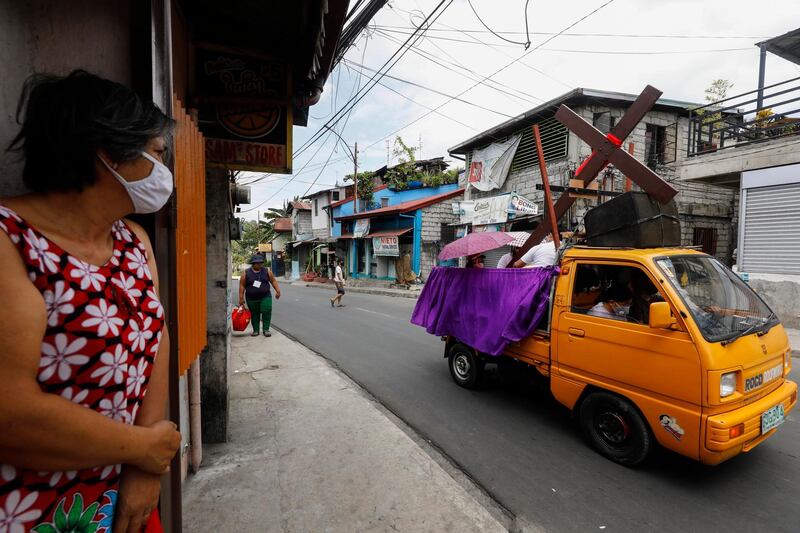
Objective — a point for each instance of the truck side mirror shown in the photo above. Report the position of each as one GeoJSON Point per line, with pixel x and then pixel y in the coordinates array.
{"type": "Point", "coordinates": [661, 316]}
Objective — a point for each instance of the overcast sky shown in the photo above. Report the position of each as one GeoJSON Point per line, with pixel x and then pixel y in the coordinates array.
{"type": "Point", "coordinates": [716, 40]}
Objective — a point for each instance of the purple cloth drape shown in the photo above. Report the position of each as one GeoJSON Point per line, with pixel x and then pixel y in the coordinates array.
{"type": "Point", "coordinates": [485, 308]}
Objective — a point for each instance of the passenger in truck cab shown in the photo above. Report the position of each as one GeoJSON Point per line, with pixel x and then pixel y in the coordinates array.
{"type": "Point", "coordinates": [614, 302]}
{"type": "Point", "coordinates": [643, 293]}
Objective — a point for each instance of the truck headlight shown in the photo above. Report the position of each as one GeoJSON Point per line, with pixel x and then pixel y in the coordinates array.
{"type": "Point", "coordinates": [727, 384]}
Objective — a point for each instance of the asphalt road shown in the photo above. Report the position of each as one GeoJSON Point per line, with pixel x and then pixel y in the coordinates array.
{"type": "Point", "coordinates": [525, 450]}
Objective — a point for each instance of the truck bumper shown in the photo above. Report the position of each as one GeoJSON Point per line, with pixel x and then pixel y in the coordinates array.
{"type": "Point", "coordinates": [719, 446]}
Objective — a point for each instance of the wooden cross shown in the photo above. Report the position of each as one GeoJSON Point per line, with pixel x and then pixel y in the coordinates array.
{"type": "Point", "coordinates": [605, 149]}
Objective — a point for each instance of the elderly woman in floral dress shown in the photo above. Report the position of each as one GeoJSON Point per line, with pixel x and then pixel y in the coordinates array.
{"type": "Point", "coordinates": [83, 347]}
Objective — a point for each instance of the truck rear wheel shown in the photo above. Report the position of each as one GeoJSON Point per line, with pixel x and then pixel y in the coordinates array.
{"type": "Point", "coordinates": [615, 428]}
{"type": "Point", "coordinates": [465, 367]}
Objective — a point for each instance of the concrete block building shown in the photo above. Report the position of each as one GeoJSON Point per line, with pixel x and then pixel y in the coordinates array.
{"type": "Point", "coordinates": [705, 210]}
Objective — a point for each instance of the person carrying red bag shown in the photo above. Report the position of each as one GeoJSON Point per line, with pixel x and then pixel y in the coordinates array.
{"type": "Point", "coordinates": [254, 289]}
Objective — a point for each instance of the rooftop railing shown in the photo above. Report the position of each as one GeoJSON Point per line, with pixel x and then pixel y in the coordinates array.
{"type": "Point", "coordinates": [746, 118]}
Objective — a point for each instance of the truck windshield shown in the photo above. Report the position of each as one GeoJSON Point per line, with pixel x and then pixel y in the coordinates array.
{"type": "Point", "coordinates": [723, 306]}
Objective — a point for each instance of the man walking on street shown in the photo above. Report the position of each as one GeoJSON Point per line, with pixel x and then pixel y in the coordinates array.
{"type": "Point", "coordinates": [338, 279]}
{"type": "Point", "coordinates": [254, 289]}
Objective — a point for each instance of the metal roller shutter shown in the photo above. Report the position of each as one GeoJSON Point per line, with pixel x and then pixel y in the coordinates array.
{"type": "Point", "coordinates": [493, 256]}
{"type": "Point", "coordinates": [771, 240]}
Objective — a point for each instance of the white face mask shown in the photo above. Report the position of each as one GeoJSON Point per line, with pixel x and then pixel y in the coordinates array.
{"type": "Point", "coordinates": [148, 194]}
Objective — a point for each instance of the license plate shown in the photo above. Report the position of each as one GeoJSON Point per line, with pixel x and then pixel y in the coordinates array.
{"type": "Point", "coordinates": [771, 418]}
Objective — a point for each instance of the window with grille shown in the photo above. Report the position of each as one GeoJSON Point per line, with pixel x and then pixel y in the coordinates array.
{"type": "Point", "coordinates": [555, 137]}
{"type": "Point", "coordinates": [706, 238]}
{"type": "Point", "coordinates": [384, 202]}
{"type": "Point", "coordinates": [655, 145]}
{"type": "Point", "coordinates": [603, 121]}
{"type": "Point", "coordinates": [335, 196]}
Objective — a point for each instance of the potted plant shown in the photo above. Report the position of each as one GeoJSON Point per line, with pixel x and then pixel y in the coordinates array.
{"type": "Point", "coordinates": [712, 120]}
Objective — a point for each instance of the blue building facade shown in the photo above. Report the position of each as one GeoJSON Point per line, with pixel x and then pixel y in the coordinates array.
{"type": "Point", "coordinates": [396, 216]}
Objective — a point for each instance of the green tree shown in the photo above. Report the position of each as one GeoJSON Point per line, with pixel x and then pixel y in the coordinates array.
{"type": "Point", "coordinates": [274, 213]}
{"type": "Point", "coordinates": [253, 233]}
{"type": "Point", "coordinates": [716, 92]}
{"type": "Point", "coordinates": [365, 186]}
{"type": "Point", "coordinates": [406, 170]}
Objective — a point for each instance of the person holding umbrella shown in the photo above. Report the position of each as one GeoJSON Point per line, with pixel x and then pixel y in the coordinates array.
{"type": "Point", "coordinates": [254, 289]}
{"type": "Point", "coordinates": [473, 245]}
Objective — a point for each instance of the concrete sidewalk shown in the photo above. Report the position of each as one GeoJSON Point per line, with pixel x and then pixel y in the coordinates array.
{"type": "Point", "coordinates": [794, 341]}
{"type": "Point", "coordinates": [310, 451]}
{"type": "Point", "coordinates": [381, 291]}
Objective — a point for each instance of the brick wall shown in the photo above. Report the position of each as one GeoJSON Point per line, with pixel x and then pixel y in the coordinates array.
{"type": "Point", "coordinates": [321, 233]}
{"type": "Point", "coordinates": [432, 219]}
{"type": "Point", "coordinates": [302, 222]}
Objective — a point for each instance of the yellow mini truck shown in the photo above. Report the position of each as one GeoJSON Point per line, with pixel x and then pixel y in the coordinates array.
{"type": "Point", "coordinates": [649, 346]}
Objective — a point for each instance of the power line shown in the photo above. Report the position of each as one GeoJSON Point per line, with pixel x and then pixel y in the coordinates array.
{"type": "Point", "coordinates": [506, 66]}
{"type": "Point", "coordinates": [578, 51]}
{"type": "Point", "coordinates": [398, 54]}
{"type": "Point", "coordinates": [497, 48]}
{"type": "Point", "coordinates": [456, 63]}
{"type": "Point", "coordinates": [527, 42]}
{"type": "Point", "coordinates": [462, 70]}
{"type": "Point", "coordinates": [425, 106]}
{"type": "Point", "coordinates": [644, 53]}
{"type": "Point", "coordinates": [568, 34]}
{"type": "Point", "coordinates": [440, 93]}
{"type": "Point", "coordinates": [393, 59]}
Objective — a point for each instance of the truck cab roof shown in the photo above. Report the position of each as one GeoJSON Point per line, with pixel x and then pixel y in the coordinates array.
{"type": "Point", "coordinates": [630, 254]}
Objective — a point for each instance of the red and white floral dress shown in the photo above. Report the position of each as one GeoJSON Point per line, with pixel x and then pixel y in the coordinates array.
{"type": "Point", "coordinates": [103, 331]}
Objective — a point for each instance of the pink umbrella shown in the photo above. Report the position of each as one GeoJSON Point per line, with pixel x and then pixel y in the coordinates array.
{"type": "Point", "coordinates": [475, 243]}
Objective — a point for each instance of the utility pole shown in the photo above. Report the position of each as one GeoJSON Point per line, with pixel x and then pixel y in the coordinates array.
{"type": "Point", "coordinates": [355, 182]}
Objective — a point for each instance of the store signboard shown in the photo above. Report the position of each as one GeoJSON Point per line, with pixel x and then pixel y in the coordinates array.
{"type": "Point", "coordinates": [244, 109]}
{"type": "Point", "coordinates": [386, 246]}
{"type": "Point", "coordinates": [490, 210]}
{"type": "Point", "coordinates": [522, 206]}
{"type": "Point", "coordinates": [360, 228]}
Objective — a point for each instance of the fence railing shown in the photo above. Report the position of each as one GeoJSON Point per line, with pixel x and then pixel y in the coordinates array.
{"type": "Point", "coordinates": [746, 118]}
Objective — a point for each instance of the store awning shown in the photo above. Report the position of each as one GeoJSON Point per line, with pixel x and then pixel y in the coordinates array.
{"type": "Point", "coordinates": [346, 236]}
{"type": "Point", "coordinates": [389, 232]}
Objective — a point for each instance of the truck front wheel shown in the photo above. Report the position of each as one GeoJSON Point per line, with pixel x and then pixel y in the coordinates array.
{"type": "Point", "coordinates": [465, 367]}
{"type": "Point", "coordinates": [615, 428]}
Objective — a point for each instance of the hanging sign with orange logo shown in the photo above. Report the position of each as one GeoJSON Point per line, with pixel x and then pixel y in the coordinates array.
{"type": "Point", "coordinates": [245, 110]}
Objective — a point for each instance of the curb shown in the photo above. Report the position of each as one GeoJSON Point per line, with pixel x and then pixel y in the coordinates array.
{"type": "Point", "coordinates": [364, 290]}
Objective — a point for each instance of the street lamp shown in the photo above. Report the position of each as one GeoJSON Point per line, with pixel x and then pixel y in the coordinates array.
{"type": "Point", "coordinates": [354, 159]}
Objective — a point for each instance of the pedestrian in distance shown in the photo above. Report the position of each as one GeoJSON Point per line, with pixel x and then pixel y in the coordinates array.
{"type": "Point", "coordinates": [84, 348]}
{"type": "Point", "coordinates": [338, 280]}
{"type": "Point", "coordinates": [254, 290]}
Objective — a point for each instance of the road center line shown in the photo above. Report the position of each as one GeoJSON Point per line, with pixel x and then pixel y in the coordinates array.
{"type": "Point", "coordinates": [377, 313]}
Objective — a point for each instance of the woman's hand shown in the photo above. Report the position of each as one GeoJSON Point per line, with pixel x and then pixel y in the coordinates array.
{"type": "Point", "coordinates": [136, 500]}
{"type": "Point", "coordinates": [163, 443]}
{"type": "Point", "coordinates": [278, 294]}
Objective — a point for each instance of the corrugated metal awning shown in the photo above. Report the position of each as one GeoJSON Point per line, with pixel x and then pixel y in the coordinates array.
{"type": "Point", "coordinates": [389, 232]}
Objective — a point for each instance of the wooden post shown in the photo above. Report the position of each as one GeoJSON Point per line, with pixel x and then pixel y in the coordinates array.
{"type": "Point", "coordinates": [627, 179]}
{"type": "Point", "coordinates": [548, 198]}
{"type": "Point", "coordinates": [355, 185]}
